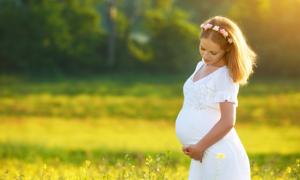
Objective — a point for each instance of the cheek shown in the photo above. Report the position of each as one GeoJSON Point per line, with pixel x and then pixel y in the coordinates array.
{"type": "Point", "coordinates": [215, 58]}
{"type": "Point", "coordinates": [218, 56]}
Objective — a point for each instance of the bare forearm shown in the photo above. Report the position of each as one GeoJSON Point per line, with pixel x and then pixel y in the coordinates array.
{"type": "Point", "coordinates": [220, 129]}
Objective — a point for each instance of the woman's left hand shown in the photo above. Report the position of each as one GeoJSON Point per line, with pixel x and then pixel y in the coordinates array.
{"type": "Point", "coordinates": [194, 151]}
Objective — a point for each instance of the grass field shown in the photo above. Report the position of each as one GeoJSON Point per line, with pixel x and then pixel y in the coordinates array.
{"type": "Point", "coordinates": [122, 127]}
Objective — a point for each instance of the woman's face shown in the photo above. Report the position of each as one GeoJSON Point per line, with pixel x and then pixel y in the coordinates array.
{"type": "Point", "coordinates": [210, 51]}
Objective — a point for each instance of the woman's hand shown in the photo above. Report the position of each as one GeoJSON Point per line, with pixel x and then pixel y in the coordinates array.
{"type": "Point", "coordinates": [194, 151]}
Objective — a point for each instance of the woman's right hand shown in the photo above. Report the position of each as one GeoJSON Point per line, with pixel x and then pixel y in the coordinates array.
{"type": "Point", "coordinates": [184, 149]}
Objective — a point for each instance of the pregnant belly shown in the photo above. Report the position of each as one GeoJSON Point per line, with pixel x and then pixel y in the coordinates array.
{"type": "Point", "coordinates": [192, 125]}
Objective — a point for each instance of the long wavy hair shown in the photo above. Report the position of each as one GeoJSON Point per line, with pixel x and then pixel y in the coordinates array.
{"type": "Point", "coordinates": [239, 57]}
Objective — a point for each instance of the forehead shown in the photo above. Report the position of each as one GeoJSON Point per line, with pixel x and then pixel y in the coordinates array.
{"type": "Point", "coordinates": [209, 45]}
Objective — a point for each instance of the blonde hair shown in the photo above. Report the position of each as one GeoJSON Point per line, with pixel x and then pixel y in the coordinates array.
{"type": "Point", "coordinates": [239, 57]}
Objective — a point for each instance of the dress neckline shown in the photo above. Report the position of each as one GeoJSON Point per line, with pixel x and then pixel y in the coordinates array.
{"type": "Point", "coordinates": [206, 76]}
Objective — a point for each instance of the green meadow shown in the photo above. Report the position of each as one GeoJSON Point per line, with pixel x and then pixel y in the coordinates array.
{"type": "Point", "coordinates": [123, 127]}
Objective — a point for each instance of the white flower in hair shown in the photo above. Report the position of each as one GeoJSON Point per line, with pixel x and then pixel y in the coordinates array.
{"type": "Point", "coordinates": [206, 26]}
{"type": "Point", "coordinates": [216, 28]}
{"type": "Point", "coordinates": [224, 32]}
{"type": "Point", "coordinates": [230, 40]}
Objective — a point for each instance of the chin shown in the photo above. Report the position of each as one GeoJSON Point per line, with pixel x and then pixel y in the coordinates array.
{"type": "Point", "coordinates": [207, 62]}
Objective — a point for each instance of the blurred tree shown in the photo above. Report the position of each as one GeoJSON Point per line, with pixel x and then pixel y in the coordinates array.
{"type": "Point", "coordinates": [51, 35]}
{"type": "Point", "coordinates": [273, 35]}
{"type": "Point", "coordinates": [111, 18]}
{"type": "Point", "coordinates": [173, 40]}
{"type": "Point", "coordinates": [200, 10]}
{"type": "Point", "coordinates": [70, 36]}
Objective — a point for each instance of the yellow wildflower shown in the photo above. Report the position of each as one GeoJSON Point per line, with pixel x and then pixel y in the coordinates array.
{"type": "Point", "coordinates": [220, 155]}
{"type": "Point", "coordinates": [288, 169]}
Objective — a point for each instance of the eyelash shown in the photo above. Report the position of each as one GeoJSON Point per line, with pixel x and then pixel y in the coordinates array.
{"type": "Point", "coordinates": [211, 53]}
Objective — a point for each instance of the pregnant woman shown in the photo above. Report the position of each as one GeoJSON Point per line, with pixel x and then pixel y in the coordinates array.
{"type": "Point", "coordinates": [205, 123]}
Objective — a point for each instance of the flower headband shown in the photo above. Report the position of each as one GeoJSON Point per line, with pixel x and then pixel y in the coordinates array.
{"type": "Point", "coordinates": [218, 29]}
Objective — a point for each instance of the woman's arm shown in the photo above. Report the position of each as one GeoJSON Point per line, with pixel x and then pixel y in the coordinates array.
{"type": "Point", "coordinates": [220, 129]}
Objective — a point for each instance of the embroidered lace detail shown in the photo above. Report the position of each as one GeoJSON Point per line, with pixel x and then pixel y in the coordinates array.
{"type": "Point", "coordinates": [197, 95]}
{"type": "Point", "coordinates": [210, 90]}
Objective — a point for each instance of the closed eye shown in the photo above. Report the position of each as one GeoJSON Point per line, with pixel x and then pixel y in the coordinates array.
{"type": "Point", "coordinates": [213, 53]}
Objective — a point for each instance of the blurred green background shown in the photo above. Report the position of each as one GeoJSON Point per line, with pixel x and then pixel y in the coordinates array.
{"type": "Point", "coordinates": [91, 88]}
{"type": "Point", "coordinates": [96, 36]}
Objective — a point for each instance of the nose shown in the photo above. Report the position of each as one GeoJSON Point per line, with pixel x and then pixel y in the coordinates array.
{"type": "Point", "coordinates": [205, 55]}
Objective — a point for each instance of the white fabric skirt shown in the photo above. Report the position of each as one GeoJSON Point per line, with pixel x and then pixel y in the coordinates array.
{"type": "Point", "coordinates": [226, 159]}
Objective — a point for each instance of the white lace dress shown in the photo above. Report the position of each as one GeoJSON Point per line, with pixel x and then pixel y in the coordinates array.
{"type": "Point", "coordinates": [199, 113]}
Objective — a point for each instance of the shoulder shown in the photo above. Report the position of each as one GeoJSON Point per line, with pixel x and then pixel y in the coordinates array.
{"type": "Point", "coordinates": [224, 79]}
{"type": "Point", "coordinates": [225, 75]}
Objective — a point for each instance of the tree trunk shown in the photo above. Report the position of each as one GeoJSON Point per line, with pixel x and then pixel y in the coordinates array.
{"type": "Point", "coordinates": [111, 16]}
